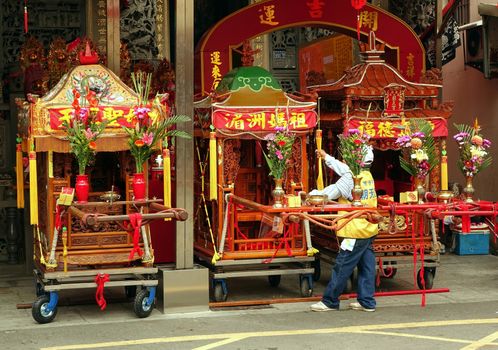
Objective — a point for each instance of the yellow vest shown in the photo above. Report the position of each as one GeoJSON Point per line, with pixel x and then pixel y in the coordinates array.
{"type": "Point", "coordinates": [361, 228]}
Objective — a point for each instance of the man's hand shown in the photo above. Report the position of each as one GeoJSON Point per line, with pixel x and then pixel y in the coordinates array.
{"type": "Point", "coordinates": [321, 153]}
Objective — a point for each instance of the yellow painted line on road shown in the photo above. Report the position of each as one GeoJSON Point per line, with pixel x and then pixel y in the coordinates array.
{"type": "Point", "coordinates": [220, 343]}
{"type": "Point", "coordinates": [228, 336]}
{"type": "Point", "coordinates": [427, 337]}
{"type": "Point", "coordinates": [482, 342]}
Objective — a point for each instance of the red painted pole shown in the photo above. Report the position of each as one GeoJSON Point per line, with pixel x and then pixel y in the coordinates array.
{"type": "Point", "coordinates": [403, 292]}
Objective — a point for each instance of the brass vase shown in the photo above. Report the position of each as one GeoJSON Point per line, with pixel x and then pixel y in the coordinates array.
{"type": "Point", "coordinates": [469, 189]}
{"type": "Point", "coordinates": [357, 191]}
{"type": "Point", "coordinates": [419, 187]}
{"type": "Point", "coordinates": [278, 194]}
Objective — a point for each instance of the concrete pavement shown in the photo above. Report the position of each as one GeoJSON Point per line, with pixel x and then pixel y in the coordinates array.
{"type": "Point", "coordinates": [469, 278]}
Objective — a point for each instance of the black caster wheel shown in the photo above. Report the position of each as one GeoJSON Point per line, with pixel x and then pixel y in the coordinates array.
{"type": "Point", "coordinates": [274, 280]}
{"type": "Point", "coordinates": [140, 306]}
{"type": "Point", "coordinates": [40, 311]}
{"type": "Point", "coordinates": [318, 269]}
{"type": "Point", "coordinates": [220, 291]}
{"type": "Point", "coordinates": [39, 289]}
{"type": "Point", "coordinates": [306, 286]}
{"type": "Point", "coordinates": [428, 277]}
{"type": "Point", "coordinates": [130, 292]}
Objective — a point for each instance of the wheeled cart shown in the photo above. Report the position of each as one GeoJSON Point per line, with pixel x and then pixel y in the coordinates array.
{"type": "Point", "coordinates": [274, 269]}
{"type": "Point", "coordinates": [49, 284]}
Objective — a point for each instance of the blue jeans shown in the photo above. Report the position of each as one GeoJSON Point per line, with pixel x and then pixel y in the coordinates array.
{"type": "Point", "coordinates": [362, 256]}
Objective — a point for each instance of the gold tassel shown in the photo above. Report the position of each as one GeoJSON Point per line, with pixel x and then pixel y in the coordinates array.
{"type": "Point", "coordinates": [167, 177]}
{"type": "Point", "coordinates": [50, 164]}
{"type": "Point", "coordinates": [19, 177]}
{"type": "Point", "coordinates": [33, 186]}
{"type": "Point", "coordinates": [319, 180]}
{"type": "Point", "coordinates": [213, 173]}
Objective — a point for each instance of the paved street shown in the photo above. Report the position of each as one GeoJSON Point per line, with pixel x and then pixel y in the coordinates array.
{"type": "Point", "coordinates": [464, 318]}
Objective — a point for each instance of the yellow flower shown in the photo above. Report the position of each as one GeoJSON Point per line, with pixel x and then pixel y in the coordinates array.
{"type": "Point", "coordinates": [153, 116]}
{"type": "Point", "coordinates": [419, 155]}
{"type": "Point", "coordinates": [477, 151]}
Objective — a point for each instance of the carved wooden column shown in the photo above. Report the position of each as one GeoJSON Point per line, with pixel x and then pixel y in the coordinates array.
{"type": "Point", "coordinates": [113, 35]}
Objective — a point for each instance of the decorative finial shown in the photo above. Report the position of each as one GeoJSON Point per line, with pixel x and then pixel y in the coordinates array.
{"type": "Point", "coordinates": [477, 128]}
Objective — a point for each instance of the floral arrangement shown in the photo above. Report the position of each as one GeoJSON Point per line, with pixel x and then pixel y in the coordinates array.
{"type": "Point", "coordinates": [83, 126]}
{"type": "Point", "coordinates": [149, 123]}
{"type": "Point", "coordinates": [473, 155]}
{"type": "Point", "coordinates": [418, 154]}
{"type": "Point", "coordinates": [352, 147]}
{"type": "Point", "coordinates": [279, 150]}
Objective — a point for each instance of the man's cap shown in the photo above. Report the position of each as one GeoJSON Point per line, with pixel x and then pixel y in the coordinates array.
{"type": "Point", "coordinates": [369, 155]}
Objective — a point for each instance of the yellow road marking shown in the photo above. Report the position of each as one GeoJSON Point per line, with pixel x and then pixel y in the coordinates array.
{"type": "Point", "coordinates": [228, 336]}
{"type": "Point", "coordinates": [220, 343]}
{"type": "Point", "coordinates": [428, 337]}
{"type": "Point", "coordinates": [483, 341]}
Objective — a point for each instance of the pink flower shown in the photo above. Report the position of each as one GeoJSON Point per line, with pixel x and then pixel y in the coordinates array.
{"type": "Point", "coordinates": [147, 138]}
{"type": "Point", "coordinates": [279, 155]}
{"type": "Point", "coordinates": [89, 134]}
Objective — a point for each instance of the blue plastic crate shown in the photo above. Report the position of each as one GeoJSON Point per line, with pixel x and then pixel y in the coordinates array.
{"type": "Point", "coordinates": [475, 243]}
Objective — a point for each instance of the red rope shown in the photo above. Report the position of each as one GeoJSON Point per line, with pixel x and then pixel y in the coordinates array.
{"type": "Point", "coordinates": [58, 219]}
{"type": "Point", "coordinates": [136, 222]}
{"type": "Point", "coordinates": [283, 240]}
{"type": "Point", "coordinates": [101, 279]}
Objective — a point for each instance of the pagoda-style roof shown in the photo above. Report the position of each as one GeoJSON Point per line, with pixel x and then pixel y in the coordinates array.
{"type": "Point", "coordinates": [253, 87]}
{"type": "Point", "coordinates": [369, 78]}
{"type": "Point", "coordinates": [373, 95]}
{"type": "Point", "coordinates": [115, 100]}
{"type": "Point", "coordinates": [250, 99]}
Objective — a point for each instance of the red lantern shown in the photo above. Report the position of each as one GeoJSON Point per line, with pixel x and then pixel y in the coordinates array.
{"type": "Point", "coordinates": [358, 5]}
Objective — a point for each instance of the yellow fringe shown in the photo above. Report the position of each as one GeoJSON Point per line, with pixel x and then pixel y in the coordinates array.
{"type": "Point", "coordinates": [33, 189]}
{"type": "Point", "coordinates": [312, 251]}
{"type": "Point", "coordinates": [213, 173]}
{"type": "Point", "coordinates": [19, 177]}
{"type": "Point", "coordinates": [319, 180]}
{"type": "Point", "coordinates": [167, 177]}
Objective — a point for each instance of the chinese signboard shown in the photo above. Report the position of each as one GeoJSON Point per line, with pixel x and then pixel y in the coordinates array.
{"type": "Point", "coordinates": [215, 50]}
{"type": "Point", "coordinates": [393, 128]}
{"type": "Point", "coordinates": [58, 115]}
{"type": "Point", "coordinates": [264, 120]}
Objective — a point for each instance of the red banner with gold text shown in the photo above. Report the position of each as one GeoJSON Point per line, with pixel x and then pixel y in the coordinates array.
{"type": "Point", "coordinates": [58, 115]}
{"type": "Point", "coordinates": [393, 128]}
{"type": "Point", "coordinates": [264, 120]}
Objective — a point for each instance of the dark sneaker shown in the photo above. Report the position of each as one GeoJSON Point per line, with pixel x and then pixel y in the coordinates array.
{"type": "Point", "coordinates": [358, 307]}
{"type": "Point", "coordinates": [320, 306]}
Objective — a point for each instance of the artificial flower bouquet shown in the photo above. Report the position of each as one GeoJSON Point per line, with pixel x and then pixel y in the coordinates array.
{"type": "Point", "coordinates": [474, 156]}
{"type": "Point", "coordinates": [83, 126]}
{"type": "Point", "coordinates": [353, 148]}
{"type": "Point", "coordinates": [418, 156]}
{"type": "Point", "coordinates": [149, 124]}
{"type": "Point", "coordinates": [278, 151]}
